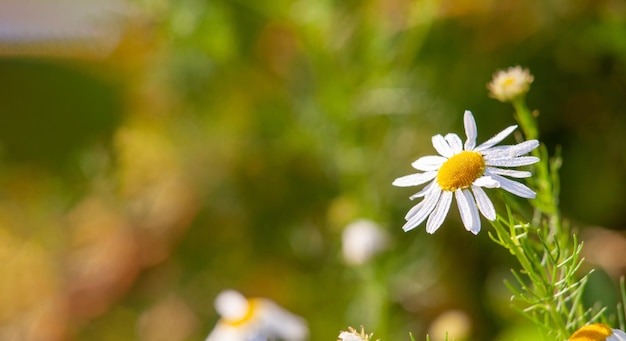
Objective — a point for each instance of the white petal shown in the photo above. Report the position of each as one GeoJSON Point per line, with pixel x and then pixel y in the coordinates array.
{"type": "Point", "coordinates": [231, 304]}
{"type": "Point", "coordinates": [413, 210]}
{"type": "Point", "coordinates": [429, 197]}
{"type": "Point", "coordinates": [514, 187]}
{"type": "Point", "coordinates": [508, 151]}
{"type": "Point", "coordinates": [278, 323]}
{"type": "Point", "coordinates": [468, 210]}
{"type": "Point", "coordinates": [429, 163]}
{"type": "Point", "coordinates": [439, 214]}
{"type": "Point", "coordinates": [455, 143]}
{"type": "Point", "coordinates": [486, 181]}
{"type": "Point", "coordinates": [496, 139]}
{"type": "Point", "coordinates": [425, 208]}
{"type": "Point", "coordinates": [470, 130]}
{"type": "Point", "coordinates": [509, 172]}
{"type": "Point", "coordinates": [524, 147]}
{"type": "Point", "coordinates": [617, 335]}
{"type": "Point", "coordinates": [423, 192]}
{"type": "Point", "coordinates": [484, 203]}
{"type": "Point", "coordinates": [442, 147]}
{"type": "Point", "coordinates": [224, 331]}
{"type": "Point", "coordinates": [414, 179]}
{"type": "Point", "coordinates": [512, 162]}
{"type": "Point", "coordinates": [497, 151]}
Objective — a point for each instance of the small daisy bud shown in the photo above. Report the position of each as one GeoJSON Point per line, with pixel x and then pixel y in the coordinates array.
{"type": "Point", "coordinates": [510, 84]}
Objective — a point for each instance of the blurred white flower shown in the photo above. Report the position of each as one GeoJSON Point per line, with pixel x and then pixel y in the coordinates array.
{"type": "Point", "coordinates": [510, 84]}
{"type": "Point", "coordinates": [353, 335]}
{"type": "Point", "coordinates": [460, 168]}
{"type": "Point", "coordinates": [254, 319]}
{"type": "Point", "coordinates": [361, 240]}
{"type": "Point", "coordinates": [598, 332]}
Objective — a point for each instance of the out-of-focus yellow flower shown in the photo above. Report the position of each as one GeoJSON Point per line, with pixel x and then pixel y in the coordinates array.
{"type": "Point", "coordinates": [353, 335]}
{"type": "Point", "coordinates": [245, 319]}
{"type": "Point", "coordinates": [510, 84]}
{"type": "Point", "coordinates": [598, 332]}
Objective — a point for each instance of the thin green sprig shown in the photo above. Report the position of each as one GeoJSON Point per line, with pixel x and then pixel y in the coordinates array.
{"type": "Point", "coordinates": [547, 289]}
{"type": "Point", "coordinates": [546, 180]}
{"type": "Point", "coordinates": [621, 306]}
{"type": "Point", "coordinates": [428, 337]}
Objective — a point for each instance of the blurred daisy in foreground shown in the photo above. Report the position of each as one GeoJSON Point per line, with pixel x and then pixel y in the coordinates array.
{"type": "Point", "coordinates": [598, 332]}
{"type": "Point", "coordinates": [461, 170]}
{"type": "Point", "coordinates": [353, 335]}
{"type": "Point", "coordinates": [361, 240]}
{"type": "Point", "coordinates": [510, 84]}
{"type": "Point", "coordinates": [255, 319]}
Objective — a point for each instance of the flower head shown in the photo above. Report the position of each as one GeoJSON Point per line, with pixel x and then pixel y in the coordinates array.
{"type": "Point", "coordinates": [462, 171]}
{"type": "Point", "coordinates": [244, 319]}
{"type": "Point", "coordinates": [361, 240]}
{"type": "Point", "coordinates": [598, 332]}
{"type": "Point", "coordinates": [510, 84]}
{"type": "Point", "coordinates": [353, 335]}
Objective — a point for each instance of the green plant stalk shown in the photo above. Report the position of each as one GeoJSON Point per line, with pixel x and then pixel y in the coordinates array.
{"type": "Point", "coordinates": [546, 181]}
{"type": "Point", "coordinates": [621, 307]}
{"type": "Point", "coordinates": [540, 294]}
{"type": "Point", "coordinates": [547, 283]}
{"type": "Point", "coordinates": [525, 118]}
{"type": "Point", "coordinates": [547, 287]}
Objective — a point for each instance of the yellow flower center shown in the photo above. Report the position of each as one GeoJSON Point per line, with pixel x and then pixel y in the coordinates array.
{"type": "Point", "coordinates": [508, 81]}
{"type": "Point", "coordinates": [592, 332]}
{"type": "Point", "coordinates": [460, 170]}
{"type": "Point", "coordinates": [247, 317]}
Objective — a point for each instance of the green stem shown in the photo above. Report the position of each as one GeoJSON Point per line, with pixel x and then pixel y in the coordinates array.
{"type": "Point", "coordinates": [541, 286]}
{"type": "Point", "coordinates": [526, 119]}
{"type": "Point", "coordinates": [546, 181]}
{"type": "Point", "coordinates": [548, 285]}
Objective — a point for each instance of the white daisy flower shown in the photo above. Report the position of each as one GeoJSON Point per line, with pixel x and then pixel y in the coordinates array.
{"type": "Point", "coordinates": [254, 319]}
{"type": "Point", "coordinates": [361, 240]}
{"type": "Point", "coordinates": [598, 332]}
{"type": "Point", "coordinates": [353, 335]}
{"type": "Point", "coordinates": [510, 84]}
{"type": "Point", "coordinates": [463, 169]}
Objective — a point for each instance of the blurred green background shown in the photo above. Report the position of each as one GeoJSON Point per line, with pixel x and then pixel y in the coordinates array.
{"type": "Point", "coordinates": [226, 144]}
